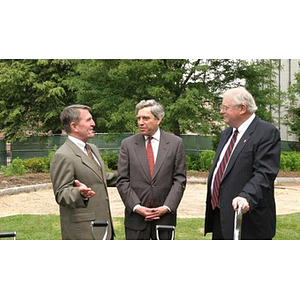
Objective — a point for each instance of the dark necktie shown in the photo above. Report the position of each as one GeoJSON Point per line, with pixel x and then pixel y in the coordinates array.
{"type": "Point", "coordinates": [91, 156]}
{"type": "Point", "coordinates": [221, 170]}
{"type": "Point", "coordinates": [150, 156]}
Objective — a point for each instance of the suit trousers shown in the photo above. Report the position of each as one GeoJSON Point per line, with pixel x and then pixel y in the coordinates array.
{"type": "Point", "coordinates": [217, 229]}
{"type": "Point", "coordinates": [149, 233]}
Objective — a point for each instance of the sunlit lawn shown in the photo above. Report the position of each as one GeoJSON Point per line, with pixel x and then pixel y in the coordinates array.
{"type": "Point", "coordinates": [47, 227]}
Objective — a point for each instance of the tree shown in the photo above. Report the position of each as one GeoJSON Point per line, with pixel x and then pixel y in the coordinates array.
{"type": "Point", "coordinates": [34, 92]}
{"type": "Point", "coordinates": [32, 95]}
{"type": "Point", "coordinates": [190, 90]}
{"type": "Point", "coordinates": [293, 118]}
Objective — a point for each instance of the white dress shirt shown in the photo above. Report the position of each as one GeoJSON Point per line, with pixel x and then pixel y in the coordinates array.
{"type": "Point", "coordinates": [241, 130]}
{"type": "Point", "coordinates": [154, 142]}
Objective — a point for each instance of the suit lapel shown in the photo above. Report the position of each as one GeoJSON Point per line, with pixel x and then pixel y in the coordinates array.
{"type": "Point", "coordinates": [84, 158]}
{"type": "Point", "coordinates": [163, 150]}
{"type": "Point", "coordinates": [140, 151]}
{"type": "Point", "coordinates": [241, 144]}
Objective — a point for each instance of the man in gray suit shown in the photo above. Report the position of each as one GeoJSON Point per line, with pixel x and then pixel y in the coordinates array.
{"type": "Point", "coordinates": [79, 179]}
{"type": "Point", "coordinates": [151, 191]}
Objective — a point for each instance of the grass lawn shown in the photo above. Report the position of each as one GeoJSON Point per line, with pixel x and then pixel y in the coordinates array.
{"type": "Point", "coordinates": [47, 227]}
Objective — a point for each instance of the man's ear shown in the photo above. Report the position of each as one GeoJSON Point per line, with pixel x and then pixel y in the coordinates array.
{"type": "Point", "coordinates": [73, 127]}
{"type": "Point", "coordinates": [159, 120]}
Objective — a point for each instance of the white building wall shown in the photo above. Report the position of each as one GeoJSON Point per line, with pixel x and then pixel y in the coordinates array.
{"type": "Point", "coordinates": [288, 68]}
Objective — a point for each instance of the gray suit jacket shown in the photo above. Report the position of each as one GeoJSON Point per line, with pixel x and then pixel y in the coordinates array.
{"type": "Point", "coordinates": [166, 186]}
{"type": "Point", "coordinates": [70, 163]}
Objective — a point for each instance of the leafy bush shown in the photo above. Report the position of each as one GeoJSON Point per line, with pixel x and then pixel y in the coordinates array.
{"type": "Point", "coordinates": [206, 160]}
{"type": "Point", "coordinates": [16, 168]}
{"type": "Point", "coordinates": [111, 160]}
{"type": "Point", "coordinates": [201, 161]}
{"type": "Point", "coordinates": [36, 165]}
{"type": "Point", "coordinates": [290, 161]}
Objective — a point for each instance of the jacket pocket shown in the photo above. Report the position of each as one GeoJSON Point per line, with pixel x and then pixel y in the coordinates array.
{"type": "Point", "coordinates": [83, 217]}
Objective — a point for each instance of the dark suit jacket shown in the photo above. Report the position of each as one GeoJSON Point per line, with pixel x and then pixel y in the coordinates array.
{"type": "Point", "coordinates": [251, 172]}
{"type": "Point", "coordinates": [166, 186]}
{"type": "Point", "coordinates": [70, 163]}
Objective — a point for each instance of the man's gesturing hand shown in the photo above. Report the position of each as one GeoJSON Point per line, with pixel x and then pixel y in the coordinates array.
{"type": "Point", "coordinates": [84, 190]}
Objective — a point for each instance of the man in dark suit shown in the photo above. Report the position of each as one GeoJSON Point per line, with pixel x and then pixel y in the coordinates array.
{"type": "Point", "coordinates": [243, 172]}
{"type": "Point", "coordinates": [79, 179]}
{"type": "Point", "coordinates": [151, 194]}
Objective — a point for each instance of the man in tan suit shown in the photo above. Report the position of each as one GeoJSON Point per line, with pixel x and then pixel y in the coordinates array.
{"type": "Point", "coordinates": [79, 180]}
{"type": "Point", "coordinates": [151, 194]}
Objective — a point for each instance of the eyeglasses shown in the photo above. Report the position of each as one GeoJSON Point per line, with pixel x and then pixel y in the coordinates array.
{"type": "Point", "coordinates": [225, 108]}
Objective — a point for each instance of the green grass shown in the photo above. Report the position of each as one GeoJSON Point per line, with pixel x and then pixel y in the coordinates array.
{"type": "Point", "coordinates": [47, 227]}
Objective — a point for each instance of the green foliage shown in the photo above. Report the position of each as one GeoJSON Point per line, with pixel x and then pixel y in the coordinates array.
{"type": "Point", "coordinates": [188, 89]}
{"type": "Point", "coordinates": [37, 165]}
{"type": "Point", "coordinates": [293, 118]}
{"type": "Point", "coordinates": [290, 161]}
{"type": "Point", "coordinates": [34, 92]}
{"type": "Point", "coordinates": [111, 160]}
{"type": "Point", "coordinates": [201, 161]}
{"type": "Point", "coordinates": [19, 167]}
{"type": "Point", "coordinates": [32, 95]}
{"type": "Point", "coordinates": [206, 159]}
{"type": "Point", "coordinates": [16, 168]}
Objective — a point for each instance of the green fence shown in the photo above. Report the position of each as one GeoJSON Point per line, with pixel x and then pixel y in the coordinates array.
{"type": "Point", "coordinates": [40, 146]}
{"type": "Point", "coordinates": [36, 146]}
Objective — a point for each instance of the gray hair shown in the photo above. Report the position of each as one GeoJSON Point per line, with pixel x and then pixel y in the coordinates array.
{"type": "Point", "coordinates": [71, 114]}
{"type": "Point", "coordinates": [156, 108]}
{"type": "Point", "coordinates": [241, 96]}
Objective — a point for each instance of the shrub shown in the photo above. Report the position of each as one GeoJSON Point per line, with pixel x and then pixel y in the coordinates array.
{"type": "Point", "coordinates": [36, 165]}
{"type": "Point", "coordinates": [111, 160]}
{"type": "Point", "coordinates": [201, 161]}
{"type": "Point", "coordinates": [206, 160]}
{"type": "Point", "coordinates": [16, 168]}
{"type": "Point", "coordinates": [290, 161]}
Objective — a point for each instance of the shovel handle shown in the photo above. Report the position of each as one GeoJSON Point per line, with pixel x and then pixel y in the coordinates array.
{"type": "Point", "coordinates": [8, 234]}
{"type": "Point", "coordinates": [99, 223]}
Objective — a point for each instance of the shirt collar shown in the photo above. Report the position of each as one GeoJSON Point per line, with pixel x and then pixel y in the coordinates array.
{"type": "Point", "coordinates": [77, 142]}
{"type": "Point", "coordinates": [155, 136]}
{"type": "Point", "coordinates": [245, 125]}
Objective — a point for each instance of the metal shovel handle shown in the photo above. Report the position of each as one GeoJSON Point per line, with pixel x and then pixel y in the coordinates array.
{"type": "Point", "coordinates": [238, 218]}
{"type": "Point", "coordinates": [97, 223]}
{"type": "Point", "coordinates": [165, 227]}
{"type": "Point", "coordinates": [8, 234]}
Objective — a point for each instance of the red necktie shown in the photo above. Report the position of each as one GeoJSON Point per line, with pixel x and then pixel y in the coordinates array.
{"type": "Point", "coordinates": [221, 170]}
{"type": "Point", "coordinates": [150, 156]}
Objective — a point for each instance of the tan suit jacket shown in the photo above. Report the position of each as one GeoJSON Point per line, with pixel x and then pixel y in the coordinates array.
{"type": "Point", "coordinates": [70, 163]}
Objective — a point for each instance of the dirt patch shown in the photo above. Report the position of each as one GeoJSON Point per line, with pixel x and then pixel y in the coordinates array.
{"type": "Point", "coordinates": [26, 179]}
{"type": "Point", "coordinates": [38, 178]}
{"type": "Point", "coordinates": [191, 206]}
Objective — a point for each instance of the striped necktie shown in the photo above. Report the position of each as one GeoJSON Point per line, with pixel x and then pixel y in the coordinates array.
{"type": "Point", "coordinates": [150, 156]}
{"type": "Point", "coordinates": [91, 156]}
{"type": "Point", "coordinates": [221, 170]}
